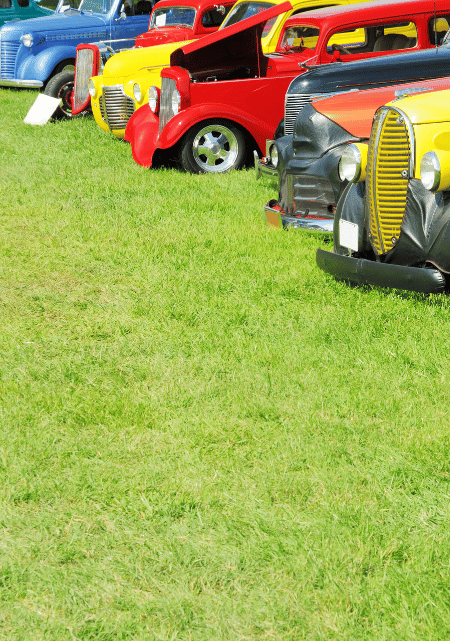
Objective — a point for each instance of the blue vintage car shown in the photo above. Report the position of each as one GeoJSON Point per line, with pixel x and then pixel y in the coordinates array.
{"type": "Point", "coordinates": [21, 10]}
{"type": "Point", "coordinates": [33, 52]}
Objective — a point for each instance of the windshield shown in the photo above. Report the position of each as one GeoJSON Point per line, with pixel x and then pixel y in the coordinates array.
{"type": "Point", "coordinates": [99, 6]}
{"type": "Point", "coordinates": [300, 36]}
{"type": "Point", "coordinates": [172, 17]}
{"type": "Point", "coordinates": [245, 10]}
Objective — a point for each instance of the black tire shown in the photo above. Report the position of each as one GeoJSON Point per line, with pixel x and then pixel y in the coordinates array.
{"type": "Point", "coordinates": [212, 146]}
{"type": "Point", "coordinates": [61, 86]}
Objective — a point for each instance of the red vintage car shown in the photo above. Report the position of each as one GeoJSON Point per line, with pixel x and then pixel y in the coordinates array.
{"type": "Point", "coordinates": [187, 20]}
{"type": "Point", "coordinates": [222, 97]}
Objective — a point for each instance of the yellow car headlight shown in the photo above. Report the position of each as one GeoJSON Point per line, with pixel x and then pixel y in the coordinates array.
{"type": "Point", "coordinates": [137, 93]}
{"type": "Point", "coordinates": [353, 163]}
{"type": "Point", "coordinates": [435, 170]}
{"type": "Point", "coordinates": [91, 88]}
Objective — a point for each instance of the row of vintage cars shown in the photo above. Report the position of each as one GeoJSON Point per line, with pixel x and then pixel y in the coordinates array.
{"type": "Point", "coordinates": [343, 105]}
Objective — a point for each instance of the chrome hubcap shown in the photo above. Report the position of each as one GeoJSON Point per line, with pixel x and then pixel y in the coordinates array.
{"type": "Point", "coordinates": [215, 148]}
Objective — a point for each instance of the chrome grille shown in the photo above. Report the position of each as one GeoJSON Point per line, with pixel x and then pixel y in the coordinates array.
{"type": "Point", "coordinates": [388, 164]}
{"type": "Point", "coordinates": [83, 71]}
{"type": "Point", "coordinates": [165, 108]}
{"type": "Point", "coordinates": [118, 106]}
{"type": "Point", "coordinates": [293, 104]}
{"type": "Point", "coordinates": [101, 104]}
{"type": "Point", "coordinates": [8, 54]}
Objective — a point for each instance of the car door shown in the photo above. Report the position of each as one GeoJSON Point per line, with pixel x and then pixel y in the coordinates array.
{"type": "Point", "coordinates": [131, 20]}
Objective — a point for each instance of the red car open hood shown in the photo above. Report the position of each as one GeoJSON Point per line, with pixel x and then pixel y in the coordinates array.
{"type": "Point", "coordinates": [355, 114]}
{"type": "Point", "coordinates": [238, 45]}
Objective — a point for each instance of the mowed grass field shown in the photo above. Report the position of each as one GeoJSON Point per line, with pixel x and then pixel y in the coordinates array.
{"type": "Point", "coordinates": [203, 437]}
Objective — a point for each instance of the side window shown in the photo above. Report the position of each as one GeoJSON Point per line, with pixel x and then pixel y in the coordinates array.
{"type": "Point", "coordinates": [388, 37]}
{"type": "Point", "coordinates": [143, 8]}
{"type": "Point", "coordinates": [399, 36]}
{"type": "Point", "coordinates": [268, 26]}
{"type": "Point", "coordinates": [6, 4]}
{"type": "Point", "coordinates": [437, 28]}
{"type": "Point", "coordinates": [215, 17]}
{"type": "Point", "coordinates": [300, 36]}
{"type": "Point", "coordinates": [353, 40]}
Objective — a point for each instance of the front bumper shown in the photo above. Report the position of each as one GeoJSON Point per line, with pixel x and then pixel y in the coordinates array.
{"type": "Point", "coordinates": [25, 84]}
{"type": "Point", "coordinates": [263, 170]}
{"type": "Point", "coordinates": [275, 217]}
{"type": "Point", "coordinates": [368, 272]}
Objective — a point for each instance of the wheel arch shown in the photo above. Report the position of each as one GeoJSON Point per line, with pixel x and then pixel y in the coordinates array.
{"type": "Point", "coordinates": [255, 131]}
{"type": "Point", "coordinates": [249, 138]}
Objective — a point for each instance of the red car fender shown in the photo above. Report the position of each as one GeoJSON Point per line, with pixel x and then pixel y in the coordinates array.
{"type": "Point", "coordinates": [142, 133]}
{"type": "Point", "coordinates": [188, 118]}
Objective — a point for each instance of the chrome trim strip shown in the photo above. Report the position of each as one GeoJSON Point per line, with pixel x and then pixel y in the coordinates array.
{"type": "Point", "coordinates": [30, 84]}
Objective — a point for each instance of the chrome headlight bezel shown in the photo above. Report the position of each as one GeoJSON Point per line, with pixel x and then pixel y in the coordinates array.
{"type": "Point", "coordinates": [274, 156]}
{"type": "Point", "coordinates": [350, 164]}
{"type": "Point", "coordinates": [27, 40]}
{"type": "Point", "coordinates": [153, 98]}
{"type": "Point", "coordinates": [137, 93]}
{"type": "Point", "coordinates": [91, 88]}
{"type": "Point", "coordinates": [430, 171]}
{"type": "Point", "coordinates": [175, 101]}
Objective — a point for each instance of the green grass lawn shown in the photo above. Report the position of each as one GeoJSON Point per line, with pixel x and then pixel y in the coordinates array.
{"type": "Point", "coordinates": [203, 436]}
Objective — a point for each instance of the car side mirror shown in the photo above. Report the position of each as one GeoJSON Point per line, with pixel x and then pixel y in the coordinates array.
{"type": "Point", "coordinates": [123, 15]}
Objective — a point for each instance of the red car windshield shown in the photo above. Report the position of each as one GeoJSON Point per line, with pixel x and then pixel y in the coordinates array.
{"type": "Point", "coordinates": [172, 17]}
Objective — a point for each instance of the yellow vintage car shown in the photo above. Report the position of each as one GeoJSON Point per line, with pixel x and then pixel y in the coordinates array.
{"type": "Point", "coordinates": [392, 222]}
{"type": "Point", "coordinates": [127, 76]}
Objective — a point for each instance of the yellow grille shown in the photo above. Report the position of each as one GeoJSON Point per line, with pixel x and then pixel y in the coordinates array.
{"type": "Point", "coordinates": [388, 163]}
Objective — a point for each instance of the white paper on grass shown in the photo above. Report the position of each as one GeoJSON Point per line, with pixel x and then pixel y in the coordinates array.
{"type": "Point", "coordinates": [348, 235]}
{"type": "Point", "coordinates": [42, 110]}
{"type": "Point", "coordinates": [160, 20]}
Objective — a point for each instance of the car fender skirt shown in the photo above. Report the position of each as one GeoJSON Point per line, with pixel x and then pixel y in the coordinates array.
{"type": "Point", "coordinates": [142, 133]}
{"type": "Point", "coordinates": [368, 272]}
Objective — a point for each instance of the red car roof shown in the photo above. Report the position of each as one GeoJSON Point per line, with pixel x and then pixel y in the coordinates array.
{"type": "Point", "coordinates": [196, 4]}
{"type": "Point", "coordinates": [375, 10]}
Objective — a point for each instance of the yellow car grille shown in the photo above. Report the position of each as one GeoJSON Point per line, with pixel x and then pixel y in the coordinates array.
{"type": "Point", "coordinates": [118, 106]}
{"type": "Point", "coordinates": [101, 104]}
{"type": "Point", "coordinates": [388, 163]}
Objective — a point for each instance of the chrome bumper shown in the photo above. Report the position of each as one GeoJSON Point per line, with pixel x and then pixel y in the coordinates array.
{"type": "Point", "coordinates": [26, 84]}
{"type": "Point", "coordinates": [268, 171]}
{"type": "Point", "coordinates": [369, 272]}
{"type": "Point", "coordinates": [276, 218]}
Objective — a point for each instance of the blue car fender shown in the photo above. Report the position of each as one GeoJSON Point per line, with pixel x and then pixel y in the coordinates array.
{"type": "Point", "coordinates": [41, 66]}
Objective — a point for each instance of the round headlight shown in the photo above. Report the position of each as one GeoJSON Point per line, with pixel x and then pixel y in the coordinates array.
{"type": "Point", "coordinates": [350, 164]}
{"type": "Point", "coordinates": [176, 100]}
{"type": "Point", "coordinates": [27, 39]}
{"type": "Point", "coordinates": [91, 88]}
{"type": "Point", "coordinates": [153, 99]}
{"type": "Point", "coordinates": [273, 151]}
{"type": "Point", "coordinates": [137, 93]}
{"type": "Point", "coordinates": [430, 171]}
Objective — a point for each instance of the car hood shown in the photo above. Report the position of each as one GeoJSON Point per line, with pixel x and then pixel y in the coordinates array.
{"type": "Point", "coordinates": [356, 115]}
{"type": "Point", "coordinates": [234, 46]}
{"type": "Point", "coordinates": [421, 110]}
{"type": "Point", "coordinates": [383, 70]}
{"type": "Point", "coordinates": [126, 63]}
{"type": "Point", "coordinates": [56, 22]}
{"type": "Point", "coordinates": [163, 36]}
